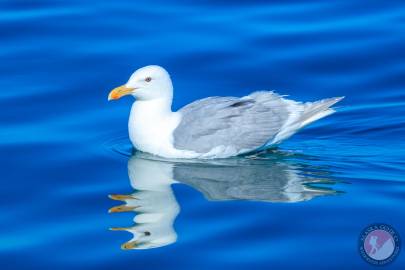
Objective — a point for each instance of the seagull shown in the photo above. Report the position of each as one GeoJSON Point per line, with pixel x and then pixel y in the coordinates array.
{"type": "Point", "coordinates": [212, 127]}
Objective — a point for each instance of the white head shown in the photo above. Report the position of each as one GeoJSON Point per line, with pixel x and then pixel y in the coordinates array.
{"type": "Point", "coordinates": [150, 82]}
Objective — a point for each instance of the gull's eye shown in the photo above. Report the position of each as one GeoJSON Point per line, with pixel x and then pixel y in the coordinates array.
{"type": "Point", "coordinates": [148, 79]}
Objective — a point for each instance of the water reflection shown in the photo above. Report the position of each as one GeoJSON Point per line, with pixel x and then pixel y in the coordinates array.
{"type": "Point", "coordinates": [269, 178]}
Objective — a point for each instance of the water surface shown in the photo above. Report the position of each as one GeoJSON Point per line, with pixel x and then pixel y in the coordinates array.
{"type": "Point", "coordinates": [64, 148]}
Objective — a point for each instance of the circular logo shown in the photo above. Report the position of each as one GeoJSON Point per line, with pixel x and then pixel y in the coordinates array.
{"type": "Point", "coordinates": [379, 244]}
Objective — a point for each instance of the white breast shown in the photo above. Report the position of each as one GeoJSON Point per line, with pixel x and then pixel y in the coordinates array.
{"type": "Point", "coordinates": [151, 125]}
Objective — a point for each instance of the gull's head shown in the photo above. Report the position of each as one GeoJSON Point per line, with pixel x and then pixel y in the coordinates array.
{"type": "Point", "coordinates": [150, 82]}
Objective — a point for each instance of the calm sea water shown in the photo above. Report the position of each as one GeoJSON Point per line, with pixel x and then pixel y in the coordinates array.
{"type": "Point", "coordinates": [64, 148]}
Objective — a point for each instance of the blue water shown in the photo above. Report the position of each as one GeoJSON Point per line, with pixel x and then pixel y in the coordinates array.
{"type": "Point", "coordinates": [64, 148]}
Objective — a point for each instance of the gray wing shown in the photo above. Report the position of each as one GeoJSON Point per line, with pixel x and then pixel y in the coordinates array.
{"type": "Point", "coordinates": [245, 123]}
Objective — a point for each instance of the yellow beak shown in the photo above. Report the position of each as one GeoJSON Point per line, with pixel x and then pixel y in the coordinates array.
{"type": "Point", "coordinates": [119, 92]}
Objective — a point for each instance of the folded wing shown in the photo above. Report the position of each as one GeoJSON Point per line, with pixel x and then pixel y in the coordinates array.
{"type": "Point", "coordinates": [239, 124]}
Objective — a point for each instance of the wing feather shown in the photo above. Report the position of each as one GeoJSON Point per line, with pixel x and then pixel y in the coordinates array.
{"type": "Point", "coordinates": [243, 124]}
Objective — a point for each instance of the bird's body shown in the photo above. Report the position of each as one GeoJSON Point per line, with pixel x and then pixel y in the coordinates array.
{"type": "Point", "coordinates": [214, 127]}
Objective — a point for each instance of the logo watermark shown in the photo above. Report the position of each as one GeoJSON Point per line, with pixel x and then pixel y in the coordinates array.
{"type": "Point", "coordinates": [379, 244]}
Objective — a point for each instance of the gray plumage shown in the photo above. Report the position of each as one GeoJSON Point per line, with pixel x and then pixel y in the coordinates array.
{"type": "Point", "coordinates": [244, 124]}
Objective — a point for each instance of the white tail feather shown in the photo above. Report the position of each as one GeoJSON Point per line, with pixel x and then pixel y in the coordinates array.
{"type": "Point", "coordinates": [304, 114]}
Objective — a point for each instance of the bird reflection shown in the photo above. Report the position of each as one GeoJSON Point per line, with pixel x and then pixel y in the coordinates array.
{"type": "Point", "coordinates": [269, 178]}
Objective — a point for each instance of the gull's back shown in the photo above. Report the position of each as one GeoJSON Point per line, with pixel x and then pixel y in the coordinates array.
{"type": "Point", "coordinates": [226, 126]}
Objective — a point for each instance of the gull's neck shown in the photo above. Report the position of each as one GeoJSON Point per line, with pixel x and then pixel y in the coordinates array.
{"type": "Point", "coordinates": [159, 106]}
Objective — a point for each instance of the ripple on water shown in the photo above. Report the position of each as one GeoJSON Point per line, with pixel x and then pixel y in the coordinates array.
{"type": "Point", "coordinates": [64, 148]}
